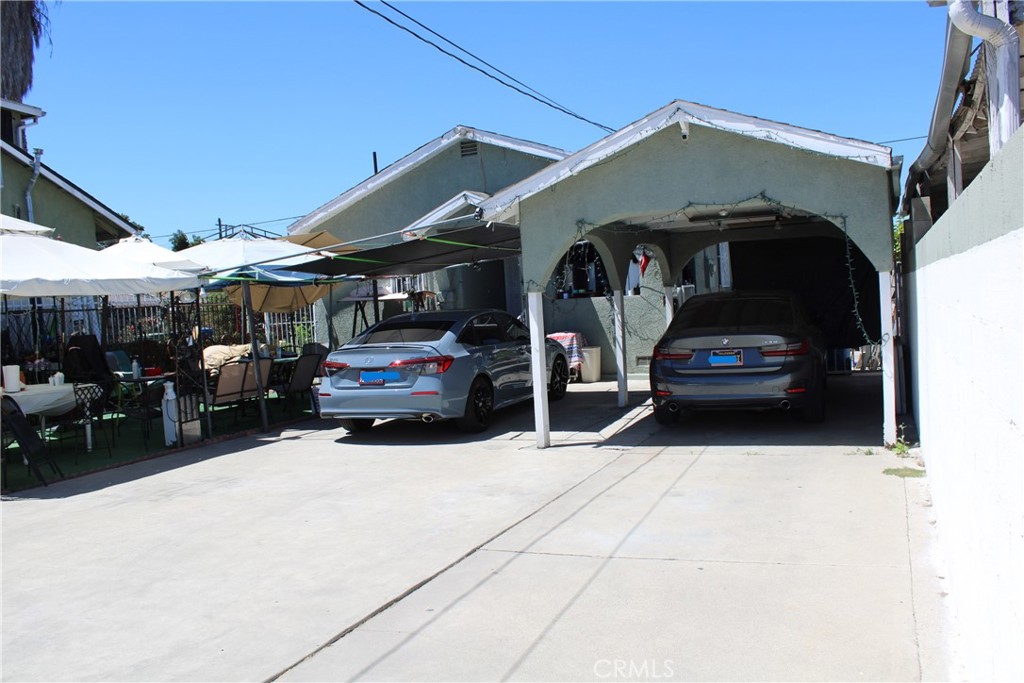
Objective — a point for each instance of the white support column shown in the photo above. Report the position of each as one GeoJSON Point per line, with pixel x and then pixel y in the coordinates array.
{"type": "Point", "coordinates": [888, 365]}
{"type": "Point", "coordinates": [538, 369]}
{"type": "Point", "coordinates": [620, 346]}
{"type": "Point", "coordinates": [670, 311]}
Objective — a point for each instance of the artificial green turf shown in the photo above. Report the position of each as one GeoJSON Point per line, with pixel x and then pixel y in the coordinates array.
{"type": "Point", "coordinates": [128, 444]}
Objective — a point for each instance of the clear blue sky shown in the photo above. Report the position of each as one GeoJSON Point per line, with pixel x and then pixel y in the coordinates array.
{"type": "Point", "coordinates": [178, 114]}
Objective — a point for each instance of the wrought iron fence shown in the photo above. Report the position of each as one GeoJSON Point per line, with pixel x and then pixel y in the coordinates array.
{"type": "Point", "coordinates": [34, 329]}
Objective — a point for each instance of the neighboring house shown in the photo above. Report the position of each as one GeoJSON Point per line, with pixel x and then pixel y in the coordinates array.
{"type": "Point", "coordinates": [963, 258]}
{"type": "Point", "coordinates": [34, 192]}
{"type": "Point", "coordinates": [444, 178]}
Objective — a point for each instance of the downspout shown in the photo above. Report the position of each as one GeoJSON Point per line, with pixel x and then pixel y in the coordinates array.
{"type": "Point", "coordinates": [954, 69]}
{"type": "Point", "coordinates": [1003, 72]}
{"type": "Point", "coordinates": [36, 164]}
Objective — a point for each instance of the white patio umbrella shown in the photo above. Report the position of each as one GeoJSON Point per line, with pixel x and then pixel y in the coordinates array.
{"type": "Point", "coordinates": [227, 256]}
{"type": "Point", "coordinates": [9, 224]}
{"type": "Point", "coordinates": [140, 250]}
{"type": "Point", "coordinates": [31, 265]}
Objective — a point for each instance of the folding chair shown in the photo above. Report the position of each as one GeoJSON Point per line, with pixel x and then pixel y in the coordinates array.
{"type": "Point", "coordinates": [17, 429]}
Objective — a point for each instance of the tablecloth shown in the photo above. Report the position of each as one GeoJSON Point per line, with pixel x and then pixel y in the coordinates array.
{"type": "Point", "coordinates": [573, 343]}
{"type": "Point", "coordinates": [45, 399]}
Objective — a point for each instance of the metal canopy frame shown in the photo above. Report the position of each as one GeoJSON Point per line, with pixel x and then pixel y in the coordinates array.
{"type": "Point", "coordinates": [485, 241]}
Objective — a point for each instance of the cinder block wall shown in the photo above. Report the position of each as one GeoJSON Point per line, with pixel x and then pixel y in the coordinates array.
{"type": "Point", "coordinates": [966, 296]}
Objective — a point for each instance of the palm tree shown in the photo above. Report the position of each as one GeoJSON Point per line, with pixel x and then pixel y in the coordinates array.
{"type": "Point", "coordinates": [24, 24]}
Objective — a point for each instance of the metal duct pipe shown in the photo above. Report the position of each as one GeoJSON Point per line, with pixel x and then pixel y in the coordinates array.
{"type": "Point", "coordinates": [954, 69]}
{"type": "Point", "coordinates": [36, 164]}
{"type": "Point", "coordinates": [1002, 72]}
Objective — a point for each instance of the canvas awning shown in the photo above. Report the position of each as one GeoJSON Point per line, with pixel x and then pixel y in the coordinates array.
{"type": "Point", "coordinates": [480, 242]}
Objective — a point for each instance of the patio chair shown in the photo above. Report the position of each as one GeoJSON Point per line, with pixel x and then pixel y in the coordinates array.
{"type": "Point", "coordinates": [301, 379]}
{"type": "Point", "coordinates": [249, 389]}
{"type": "Point", "coordinates": [141, 404]}
{"type": "Point", "coordinates": [227, 389]}
{"type": "Point", "coordinates": [33, 451]}
{"type": "Point", "coordinates": [90, 405]}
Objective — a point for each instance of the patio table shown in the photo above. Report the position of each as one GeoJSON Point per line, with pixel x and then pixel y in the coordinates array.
{"type": "Point", "coordinates": [48, 400]}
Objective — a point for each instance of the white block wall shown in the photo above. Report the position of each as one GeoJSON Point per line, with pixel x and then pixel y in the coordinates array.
{"type": "Point", "coordinates": [966, 301]}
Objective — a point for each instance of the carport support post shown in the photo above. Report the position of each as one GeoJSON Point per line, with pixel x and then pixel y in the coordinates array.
{"type": "Point", "coordinates": [620, 346]}
{"type": "Point", "coordinates": [670, 310]}
{"type": "Point", "coordinates": [888, 365]}
{"type": "Point", "coordinates": [538, 368]}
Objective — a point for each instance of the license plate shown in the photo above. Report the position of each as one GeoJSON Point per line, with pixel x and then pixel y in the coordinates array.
{"type": "Point", "coordinates": [729, 357]}
{"type": "Point", "coordinates": [377, 377]}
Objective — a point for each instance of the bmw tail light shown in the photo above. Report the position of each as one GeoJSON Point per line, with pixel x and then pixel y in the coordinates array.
{"type": "Point", "coordinates": [431, 365]}
{"type": "Point", "coordinates": [663, 353]}
{"type": "Point", "coordinates": [795, 349]}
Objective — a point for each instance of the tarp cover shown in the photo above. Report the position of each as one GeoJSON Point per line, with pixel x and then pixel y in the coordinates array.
{"type": "Point", "coordinates": [484, 242]}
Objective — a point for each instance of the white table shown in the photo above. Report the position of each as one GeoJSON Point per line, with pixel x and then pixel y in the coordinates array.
{"type": "Point", "coordinates": [47, 399]}
{"type": "Point", "coordinates": [44, 399]}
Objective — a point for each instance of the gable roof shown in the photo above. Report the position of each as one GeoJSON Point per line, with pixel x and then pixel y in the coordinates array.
{"type": "Point", "coordinates": [503, 205]}
{"type": "Point", "coordinates": [108, 215]}
{"type": "Point", "coordinates": [411, 161]}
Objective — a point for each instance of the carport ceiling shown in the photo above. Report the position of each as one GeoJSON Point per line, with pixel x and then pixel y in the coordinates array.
{"type": "Point", "coordinates": [482, 242]}
{"type": "Point", "coordinates": [718, 219]}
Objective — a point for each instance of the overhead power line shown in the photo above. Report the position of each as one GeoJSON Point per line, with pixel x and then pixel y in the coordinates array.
{"type": "Point", "coordinates": [546, 101]}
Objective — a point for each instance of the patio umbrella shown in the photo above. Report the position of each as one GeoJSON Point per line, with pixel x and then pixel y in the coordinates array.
{"type": "Point", "coordinates": [31, 265]}
{"type": "Point", "coordinates": [10, 224]}
{"type": "Point", "coordinates": [140, 250]}
{"type": "Point", "coordinates": [227, 256]}
{"type": "Point", "coordinates": [274, 290]}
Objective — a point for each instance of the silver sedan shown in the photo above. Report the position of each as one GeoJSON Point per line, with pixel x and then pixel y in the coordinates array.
{"type": "Point", "coordinates": [436, 365]}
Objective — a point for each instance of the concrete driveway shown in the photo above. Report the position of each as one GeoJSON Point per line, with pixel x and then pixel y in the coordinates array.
{"type": "Point", "coordinates": [733, 546]}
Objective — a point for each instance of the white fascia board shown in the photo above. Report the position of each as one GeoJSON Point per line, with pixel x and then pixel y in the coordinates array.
{"type": "Point", "coordinates": [443, 212]}
{"type": "Point", "coordinates": [26, 110]}
{"type": "Point", "coordinates": [70, 188]}
{"type": "Point", "coordinates": [786, 134]}
{"type": "Point", "coordinates": [311, 221]}
{"type": "Point", "coordinates": [503, 206]}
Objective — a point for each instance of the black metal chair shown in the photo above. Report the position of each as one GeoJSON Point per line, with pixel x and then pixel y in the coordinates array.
{"type": "Point", "coordinates": [32, 449]}
{"type": "Point", "coordinates": [301, 379]}
{"type": "Point", "coordinates": [90, 404]}
{"type": "Point", "coordinates": [140, 402]}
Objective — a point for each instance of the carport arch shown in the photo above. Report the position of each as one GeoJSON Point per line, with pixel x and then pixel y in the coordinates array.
{"type": "Point", "coordinates": [658, 173]}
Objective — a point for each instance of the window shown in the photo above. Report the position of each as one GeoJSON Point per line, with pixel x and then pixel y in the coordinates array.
{"type": "Point", "coordinates": [408, 331]}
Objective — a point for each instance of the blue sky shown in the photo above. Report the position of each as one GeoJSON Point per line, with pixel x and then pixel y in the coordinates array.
{"type": "Point", "coordinates": [180, 113]}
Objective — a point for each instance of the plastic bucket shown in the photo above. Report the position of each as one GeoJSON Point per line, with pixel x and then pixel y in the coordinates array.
{"type": "Point", "coordinates": [591, 370]}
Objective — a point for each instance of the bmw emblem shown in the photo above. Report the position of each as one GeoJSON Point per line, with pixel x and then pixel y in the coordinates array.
{"type": "Point", "coordinates": [725, 341]}
{"type": "Point", "coordinates": [369, 360]}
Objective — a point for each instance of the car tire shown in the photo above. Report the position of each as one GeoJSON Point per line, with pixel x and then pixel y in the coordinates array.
{"type": "Point", "coordinates": [479, 407]}
{"type": "Point", "coordinates": [559, 383]}
{"type": "Point", "coordinates": [664, 416]}
{"type": "Point", "coordinates": [354, 425]}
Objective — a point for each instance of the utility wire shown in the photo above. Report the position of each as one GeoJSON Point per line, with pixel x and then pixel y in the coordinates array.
{"type": "Point", "coordinates": [485, 73]}
{"type": "Point", "coordinates": [903, 139]}
{"type": "Point", "coordinates": [474, 56]}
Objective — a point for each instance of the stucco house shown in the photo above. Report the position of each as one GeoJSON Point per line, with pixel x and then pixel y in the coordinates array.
{"type": "Point", "coordinates": [690, 186]}
{"type": "Point", "coordinates": [34, 192]}
{"type": "Point", "coordinates": [445, 178]}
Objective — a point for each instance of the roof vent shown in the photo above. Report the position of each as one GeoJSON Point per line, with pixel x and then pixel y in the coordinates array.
{"type": "Point", "coordinates": [468, 148]}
